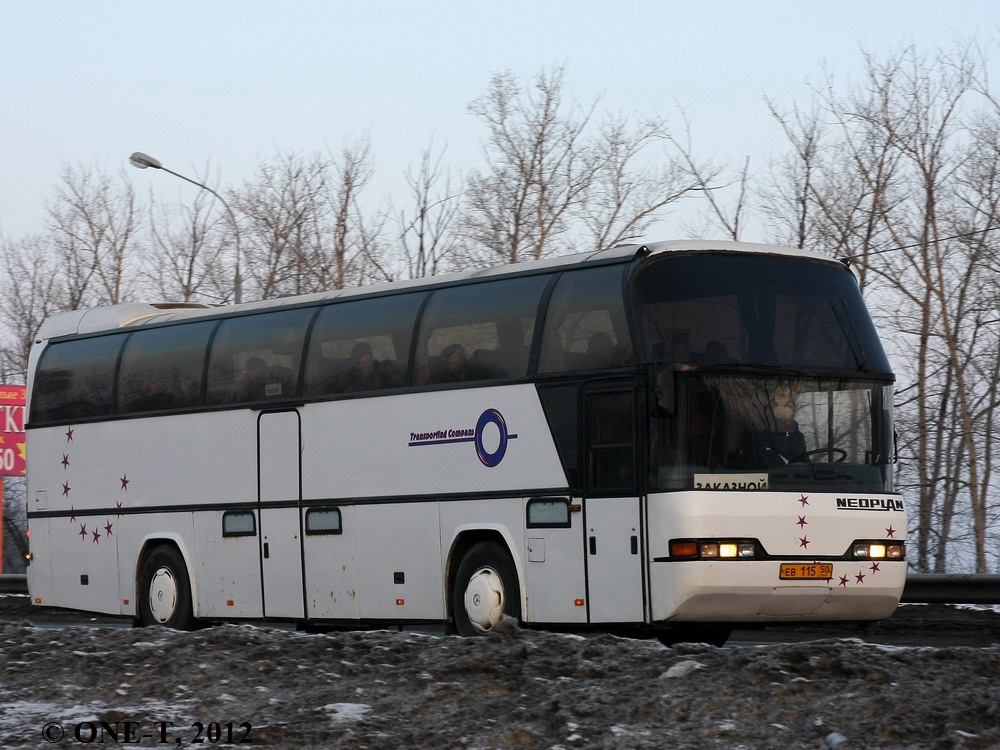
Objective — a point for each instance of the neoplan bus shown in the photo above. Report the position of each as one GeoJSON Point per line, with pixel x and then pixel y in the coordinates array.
{"type": "Point", "coordinates": [657, 439]}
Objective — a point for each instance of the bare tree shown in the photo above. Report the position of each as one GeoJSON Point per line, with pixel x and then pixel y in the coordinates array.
{"type": "Point", "coordinates": [94, 225]}
{"type": "Point", "coordinates": [355, 252]}
{"type": "Point", "coordinates": [537, 170]}
{"type": "Point", "coordinates": [425, 234]}
{"type": "Point", "coordinates": [281, 212]}
{"type": "Point", "coordinates": [630, 189]}
{"type": "Point", "coordinates": [905, 184]}
{"type": "Point", "coordinates": [33, 289]}
{"type": "Point", "coordinates": [188, 250]}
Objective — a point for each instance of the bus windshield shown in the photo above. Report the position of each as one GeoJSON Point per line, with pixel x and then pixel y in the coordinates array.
{"type": "Point", "coordinates": [754, 432]}
{"type": "Point", "coordinates": [770, 374]}
{"type": "Point", "coordinates": [764, 310]}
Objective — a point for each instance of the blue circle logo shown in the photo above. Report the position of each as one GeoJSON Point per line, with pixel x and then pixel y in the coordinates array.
{"type": "Point", "coordinates": [488, 417]}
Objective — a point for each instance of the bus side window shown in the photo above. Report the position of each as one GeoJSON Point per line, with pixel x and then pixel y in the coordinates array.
{"type": "Point", "coordinates": [161, 368]}
{"type": "Point", "coordinates": [478, 331]}
{"type": "Point", "coordinates": [74, 379]}
{"type": "Point", "coordinates": [585, 325]}
{"type": "Point", "coordinates": [361, 345]}
{"type": "Point", "coordinates": [256, 357]}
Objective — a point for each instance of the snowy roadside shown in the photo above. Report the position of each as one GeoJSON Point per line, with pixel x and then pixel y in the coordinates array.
{"type": "Point", "coordinates": [514, 689]}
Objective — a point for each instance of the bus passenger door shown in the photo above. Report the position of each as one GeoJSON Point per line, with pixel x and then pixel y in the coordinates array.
{"type": "Point", "coordinates": [279, 492]}
{"type": "Point", "coordinates": [613, 522]}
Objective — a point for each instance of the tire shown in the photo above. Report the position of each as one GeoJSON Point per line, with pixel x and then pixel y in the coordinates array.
{"type": "Point", "coordinates": [165, 590]}
{"type": "Point", "coordinates": [485, 589]}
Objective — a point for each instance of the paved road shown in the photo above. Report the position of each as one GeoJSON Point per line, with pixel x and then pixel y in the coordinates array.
{"type": "Point", "coordinates": [912, 625]}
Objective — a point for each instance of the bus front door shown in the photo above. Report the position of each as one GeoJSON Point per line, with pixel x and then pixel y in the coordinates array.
{"type": "Point", "coordinates": [279, 492]}
{"type": "Point", "coordinates": [613, 531]}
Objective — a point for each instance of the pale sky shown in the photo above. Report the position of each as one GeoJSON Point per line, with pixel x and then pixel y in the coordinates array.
{"type": "Point", "coordinates": [232, 84]}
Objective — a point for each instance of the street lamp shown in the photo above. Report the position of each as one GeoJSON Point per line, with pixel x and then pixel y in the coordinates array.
{"type": "Point", "coordinates": [141, 161]}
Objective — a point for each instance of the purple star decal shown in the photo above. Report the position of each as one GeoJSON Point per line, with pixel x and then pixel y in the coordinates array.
{"type": "Point", "coordinates": [66, 489]}
{"type": "Point", "coordinates": [69, 435]}
{"type": "Point", "coordinates": [65, 461]}
{"type": "Point", "coordinates": [890, 532]}
{"type": "Point", "coordinates": [83, 531]}
{"type": "Point", "coordinates": [804, 499]}
{"type": "Point", "coordinates": [97, 536]}
{"type": "Point", "coordinates": [860, 577]}
{"type": "Point", "coordinates": [124, 480]}
{"type": "Point", "coordinates": [72, 516]}
{"type": "Point", "coordinates": [107, 528]}
{"type": "Point", "coordinates": [843, 581]}
{"type": "Point", "coordinates": [874, 568]}
{"type": "Point", "coordinates": [804, 542]}
{"type": "Point", "coordinates": [802, 522]}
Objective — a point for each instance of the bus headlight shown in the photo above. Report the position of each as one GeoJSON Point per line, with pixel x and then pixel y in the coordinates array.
{"type": "Point", "coordinates": [879, 550]}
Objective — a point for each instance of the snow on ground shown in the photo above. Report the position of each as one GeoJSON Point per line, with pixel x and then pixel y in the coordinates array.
{"type": "Point", "coordinates": [514, 689]}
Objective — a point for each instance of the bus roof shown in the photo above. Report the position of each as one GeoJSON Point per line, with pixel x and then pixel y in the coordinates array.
{"type": "Point", "coordinates": [109, 317]}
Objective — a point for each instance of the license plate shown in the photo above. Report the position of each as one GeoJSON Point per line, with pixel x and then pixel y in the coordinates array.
{"type": "Point", "coordinates": [806, 571]}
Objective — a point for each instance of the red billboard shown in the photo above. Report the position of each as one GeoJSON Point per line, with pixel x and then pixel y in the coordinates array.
{"type": "Point", "coordinates": [12, 454]}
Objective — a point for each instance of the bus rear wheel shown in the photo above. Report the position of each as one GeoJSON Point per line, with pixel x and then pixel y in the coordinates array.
{"type": "Point", "coordinates": [165, 591]}
{"type": "Point", "coordinates": [485, 589]}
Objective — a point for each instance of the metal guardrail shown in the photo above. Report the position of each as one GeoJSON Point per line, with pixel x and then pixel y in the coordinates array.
{"type": "Point", "coordinates": [951, 588]}
{"type": "Point", "coordinates": [13, 583]}
{"type": "Point", "coordinates": [921, 588]}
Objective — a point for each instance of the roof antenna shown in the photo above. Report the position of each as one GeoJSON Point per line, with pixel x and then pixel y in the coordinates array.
{"type": "Point", "coordinates": [846, 260]}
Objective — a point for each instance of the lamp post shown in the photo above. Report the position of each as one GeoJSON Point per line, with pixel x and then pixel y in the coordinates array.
{"type": "Point", "coordinates": [142, 161]}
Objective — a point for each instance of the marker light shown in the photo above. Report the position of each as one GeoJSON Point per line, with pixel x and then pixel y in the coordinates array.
{"type": "Point", "coordinates": [713, 550]}
{"type": "Point", "coordinates": [683, 549]}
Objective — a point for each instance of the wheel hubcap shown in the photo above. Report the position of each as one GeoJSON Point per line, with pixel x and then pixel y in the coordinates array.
{"type": "Point", "coordinates": [484, 599]}
{"type": "Point", "coordinates": [162, 595]}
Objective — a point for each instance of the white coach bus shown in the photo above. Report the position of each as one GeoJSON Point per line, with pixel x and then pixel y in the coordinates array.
{"type": "Point", "coordinates": [665, 439]}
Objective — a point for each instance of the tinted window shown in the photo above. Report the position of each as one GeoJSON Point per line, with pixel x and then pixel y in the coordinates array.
{"type": "Point", "coordinates": [479, 331]}
{"type": "Point", "coordinates": [361, 346]}
{"type": "Point", "coordinates": [74, 379]}
{"type": "Point", "coordinates": [161, 368]}
{"type": "Point", "coordinates": [257, 357]}
{"type": "Point", "coordinates": [610, 430]}
{"type": "Point", "coordinates": [756, 310]}
{"type": "Point", "coordinates": [585, 327]}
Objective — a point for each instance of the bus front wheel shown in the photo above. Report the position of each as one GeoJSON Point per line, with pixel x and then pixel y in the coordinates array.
{"type": "Point", "coordinates": [164, 590]}
{"type": "Point", "coordinates": [485, 589]}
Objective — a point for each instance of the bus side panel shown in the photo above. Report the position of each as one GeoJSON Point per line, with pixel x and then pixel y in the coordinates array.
{"type": "Point", "coordinates": [226, 569]}
{"type": "Point", "coordinates": [331, 567]}
{"type": "Point", "coordinates": [40, 567]}
{"type": "Point", "coordinates": [442, 442]}
{"type": "Point", "coordinates": [554, 572]}
{"type": "Point", "coordinates": [399, 562]}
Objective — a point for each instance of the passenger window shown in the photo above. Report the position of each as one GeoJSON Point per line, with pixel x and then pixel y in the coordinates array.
{"type": "Point", "coordinates": [322, 521]}
{"type": "Point", "coordinates": [548, 513]}
{"type": "Point", "coordinates": [585, 327]}
{"type": "Point", "coordinates": [239, 523]}
{"type": "Point", "coordinates": [74, 379]}
{"type": "Point", "coordinates": [257, 357]}
{"type": "Point", "coordinates": [161, 368]}
{"type": "Point", "coordinates": [478, 331]}
{"type": "Point", "coordinates": [361, 345]}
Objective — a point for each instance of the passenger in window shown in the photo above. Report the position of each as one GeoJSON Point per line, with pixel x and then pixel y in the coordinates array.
{"type": "Point", "coordinates": [253, 379]}
{"type": "Point", "coordinates": [600, 350]}
{"type": "Point", "coordinates": [452, 366]}
{"type": "Point", "coordinates": [781, 442]}
{"type": "Point", "coordinates": [364, 373]}
{"type": "Point", "coordinates": [154, 396]}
